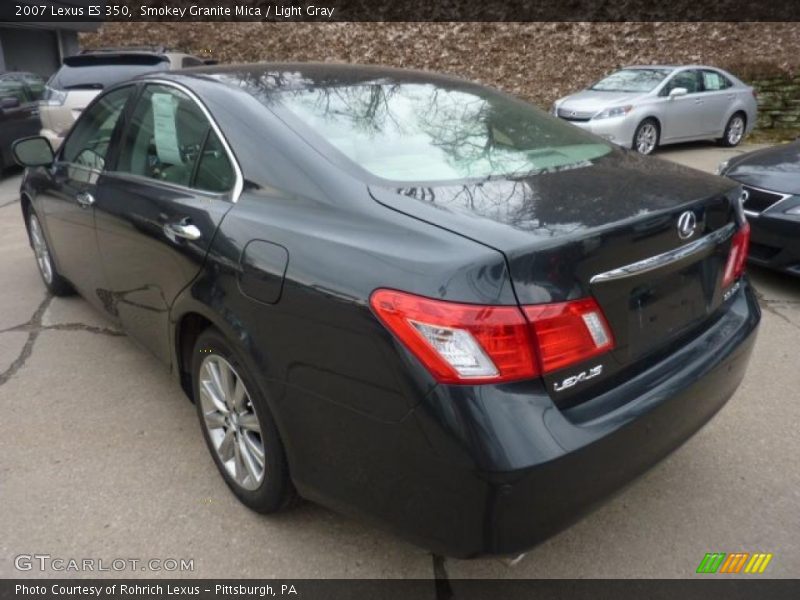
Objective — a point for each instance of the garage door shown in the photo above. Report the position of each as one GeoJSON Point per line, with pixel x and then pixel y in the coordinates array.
{"type": "Point", "coordinates": [33, 50]}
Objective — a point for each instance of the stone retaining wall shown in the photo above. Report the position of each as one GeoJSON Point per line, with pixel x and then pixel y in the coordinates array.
{"type": "Point", "coordinates": [778, 102]}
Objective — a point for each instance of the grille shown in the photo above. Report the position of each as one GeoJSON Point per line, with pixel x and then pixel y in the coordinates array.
{"type": "Point", "coordinates": [574, 115]}
{"type": "Point", "coordinates": [760, 200]}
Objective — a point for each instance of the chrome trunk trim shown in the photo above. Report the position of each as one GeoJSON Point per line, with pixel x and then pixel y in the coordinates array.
{"type": "Point", "coordinates": [661, 260]}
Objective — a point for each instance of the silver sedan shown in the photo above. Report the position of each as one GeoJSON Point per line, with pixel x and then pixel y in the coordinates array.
{"type": "Point", "coordinates": [643, 107]}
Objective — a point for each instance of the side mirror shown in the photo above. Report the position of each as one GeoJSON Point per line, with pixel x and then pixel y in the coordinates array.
{"type": "Point", "coordinates": [33, 152]}
{"type": "Point", "coordinates": [9, 102]}
{"type": "Point", "coordinates": [675, 92]}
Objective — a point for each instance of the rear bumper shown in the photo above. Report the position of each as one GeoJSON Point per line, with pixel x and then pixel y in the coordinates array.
{"type": "Point", "coordinates": [542, 468]}
{"type": "Point", "coordinates": [775, 242]}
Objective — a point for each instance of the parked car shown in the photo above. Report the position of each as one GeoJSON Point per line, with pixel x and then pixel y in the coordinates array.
{"type": "Point", "coordinates": [401, 294]}
{"type": "Point", "coordinates": [85, 75]}
{"type": "Point", "coordinates": [19, 110]}
{"type": "Point", "coordinates": [644, 107]}
{"type": "Point", "coordinates": [771, 181]}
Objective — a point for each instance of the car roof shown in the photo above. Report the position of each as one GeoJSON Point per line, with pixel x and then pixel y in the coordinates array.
{"type": "Point", "coordinates": [291, 75]}
{"type": "Point", "coordinates": [673, 67]}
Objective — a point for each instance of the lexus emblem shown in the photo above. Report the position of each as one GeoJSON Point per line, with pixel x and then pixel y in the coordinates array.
{"type": "Point", "coordinates": [687, 223]}
{"type": "Point", "coordinates": [573, 114]}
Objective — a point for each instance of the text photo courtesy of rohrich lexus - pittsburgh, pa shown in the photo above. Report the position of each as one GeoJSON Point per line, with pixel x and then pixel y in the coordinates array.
{"type": "Point", "coordinates": [399, 299]}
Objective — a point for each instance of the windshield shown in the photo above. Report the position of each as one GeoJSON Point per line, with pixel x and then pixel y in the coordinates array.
{"type": "Point", "coordinates": [424, 132]}
{"type": "Point", "coordinates": [89, 72]}
{"type": "Point", "coordinates": [631, 80]}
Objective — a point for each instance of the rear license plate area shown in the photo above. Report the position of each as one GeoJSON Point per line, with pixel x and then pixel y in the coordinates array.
{"type": "Point", "coordinates": [664, 309]}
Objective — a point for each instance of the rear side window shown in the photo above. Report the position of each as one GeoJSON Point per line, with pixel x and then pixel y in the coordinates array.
{"type": "Point", "coordinates": [713, 81]}
{"type": "Point", "coordinates": [87, 144]}
{"type": "Point", "coordinates": [171, 140]}
{"type": "Point", "coordinates": [94, 72]}
{"type": "Point", "coordinates": [191, 61]}
{"type": "Point", "coordinates": [214, 172]}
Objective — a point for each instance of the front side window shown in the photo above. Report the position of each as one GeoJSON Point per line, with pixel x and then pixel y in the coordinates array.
{"type": "Point", "coordinates": [685, 79]}
{"type": "Point", "coordinates": [631, 80]}
{"type": "Point", "coordinates": [169, 139]}
{"type": "Point", "coordinates": [713, 81]}
{"type": "Point", "coordinates": [87, 144]}
{"type": "Point", "coordinates": [420, 131]}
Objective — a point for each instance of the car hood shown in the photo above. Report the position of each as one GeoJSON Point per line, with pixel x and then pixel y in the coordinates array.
{"type": "Point", "coordinates": [590, 100]}
{"type": "Point", "coordinates": [776, 168]}
{"type": "Point", "coordinates": [550, 206]}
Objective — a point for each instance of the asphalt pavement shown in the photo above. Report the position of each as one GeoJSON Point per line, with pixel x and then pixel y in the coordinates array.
{"type": "Point", "coordinates": [101, 457]}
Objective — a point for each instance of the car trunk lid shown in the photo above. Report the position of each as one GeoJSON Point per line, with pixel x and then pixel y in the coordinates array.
{"type": "Point", "coordinates": [610, 230]}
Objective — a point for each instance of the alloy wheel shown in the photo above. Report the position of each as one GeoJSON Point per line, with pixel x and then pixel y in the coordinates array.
{"type": "Point", "coordinates": [40, 249]}
{"type": "Point", "coordinates": [230, 419]}
{"type": "Point", "coordinates": [735, 130]}
{"type": "Point", "coordinates": [646, 138]}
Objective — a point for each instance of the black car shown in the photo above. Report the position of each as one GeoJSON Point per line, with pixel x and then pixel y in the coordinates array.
{"type": "Point", "coordinates": [771, 181]}
{"type": "Point", "coordinates": [400, 294]}
{"type": "Point", "coordinates": [20, 93]}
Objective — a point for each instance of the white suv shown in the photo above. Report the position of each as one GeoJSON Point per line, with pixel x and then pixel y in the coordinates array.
{"type": "Point", "coordinates": [84, 75]}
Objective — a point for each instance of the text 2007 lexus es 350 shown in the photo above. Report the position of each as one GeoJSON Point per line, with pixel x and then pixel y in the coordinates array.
{"type": "Point", "coordinates": [399, 294]}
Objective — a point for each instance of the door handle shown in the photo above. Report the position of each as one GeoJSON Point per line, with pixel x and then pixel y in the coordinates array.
{"type": "Point", "coordinates": [182, 229]}
{"type": "Point", "coordinates": [85, 199]}
{"type": "Point", "coordinates": [698, 101]}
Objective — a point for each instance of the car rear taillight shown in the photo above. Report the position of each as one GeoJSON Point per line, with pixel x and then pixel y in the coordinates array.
{"type": "Point", "coordinates": [469, 343]}
{"type": "Point", "coordinates": [459, 342]}
{"type": "Point", "coordinates": [737, 259]}
{"type": "Point", "coordinates": [568, 332]}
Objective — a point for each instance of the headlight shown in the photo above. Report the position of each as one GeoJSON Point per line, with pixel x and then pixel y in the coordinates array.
{"type": "Point", "coordinates": [722, 167]}
{"type": "Point", "coordinates": [53, 97]}
{"type": "Point", "coordinates": [616, 111]}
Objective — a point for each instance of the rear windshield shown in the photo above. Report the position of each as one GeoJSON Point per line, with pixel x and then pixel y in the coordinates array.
{"type": "Point", "coordinates": [417, 132]}
{"type": "Point", "coordinates": [98, 72]}
{"type": "Point", "coordinates": [631, 80]}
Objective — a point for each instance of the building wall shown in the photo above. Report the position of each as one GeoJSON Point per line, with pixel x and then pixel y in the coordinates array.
{"type": "Point", "coordinates": [39, 47]}
{"type": "Point", "coordinates": [69, 43]}
{"type": "Point", "coordinates": [34, 50]}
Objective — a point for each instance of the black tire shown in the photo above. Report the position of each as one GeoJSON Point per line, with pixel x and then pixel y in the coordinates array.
{"type": "Point", "coordinates": [53, 280]}
{"type": "Point", "coordinates": [730, 139]}
{"type": "Point", "coordinates": [275, 491]}
{"type": "Point", "coordinates": [652, 126]}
